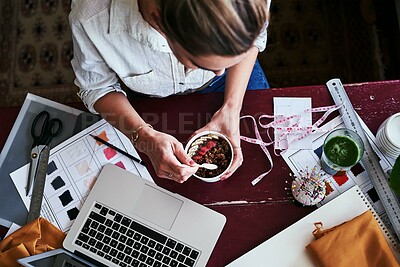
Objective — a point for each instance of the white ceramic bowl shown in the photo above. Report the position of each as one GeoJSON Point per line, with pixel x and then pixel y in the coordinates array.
{"type": "Point", "coordinates": [201, 140]}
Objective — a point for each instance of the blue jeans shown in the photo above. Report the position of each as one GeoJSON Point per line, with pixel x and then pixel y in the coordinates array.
{"type": "Point", "coordinates": [257, 81]}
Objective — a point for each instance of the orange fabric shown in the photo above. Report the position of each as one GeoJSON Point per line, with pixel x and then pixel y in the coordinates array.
{"type": "Point", "coordinates": [36, 237]}
{"type": "Point", "coordinates": [358, 242]}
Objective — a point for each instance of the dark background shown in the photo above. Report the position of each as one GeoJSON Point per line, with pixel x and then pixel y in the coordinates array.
{"type": "Point", "coordinates": [310, 42]}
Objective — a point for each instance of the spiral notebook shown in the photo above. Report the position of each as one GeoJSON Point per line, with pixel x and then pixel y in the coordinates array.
{"type": "Point", "coordinates": [288, 248]}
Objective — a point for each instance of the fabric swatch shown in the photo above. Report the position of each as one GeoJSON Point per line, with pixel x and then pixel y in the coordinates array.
{"type": "Point", "coordinates": [102, 135]}
{"type": "Point", "coordinates": [51, 167]}
{"type": "Point", "coordinates": [357, 169]}
{"type": "Point", "coordinates": [318, 152]}
{"type": "Point", "coordinates": [83, 167]}
{"type": "Point", "coordinates": [328, 188]}
{"type": "Point", "coordinates": [57, 183]}
{"type": "Point", "coordinates": [120, 164]}
{"type": "Point", "coordinates": [89, 182]}
{"type": "Point", "coordinates": [77, 151]}
{"type": "Point", "coordinates": [109, 153]}
{"type": "Point", "coordinates": [341, 180]}
{"type": "Point", "coordinates": [66, 198]}
{"type": "Point", "coordinates": [73, 213]}
{"type": "Point", "coordinates": [373, 195]}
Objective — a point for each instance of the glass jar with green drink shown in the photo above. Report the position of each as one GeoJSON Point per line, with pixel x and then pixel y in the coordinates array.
{"type": "Point", "coordinates": [342, 150]}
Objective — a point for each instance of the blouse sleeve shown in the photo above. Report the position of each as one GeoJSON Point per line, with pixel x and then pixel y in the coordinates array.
{"type": "Point", "coordinates": [92, 75]}
{"type": "Point", "coordinates": [261, 41]}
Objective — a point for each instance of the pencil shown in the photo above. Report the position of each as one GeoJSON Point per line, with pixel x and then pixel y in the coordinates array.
{"type": "Point", "coordinates": [118, 149]}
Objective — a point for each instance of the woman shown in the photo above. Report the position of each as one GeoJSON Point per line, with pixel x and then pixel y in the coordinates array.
{"type": "Point", "coordinates": [164, 47]}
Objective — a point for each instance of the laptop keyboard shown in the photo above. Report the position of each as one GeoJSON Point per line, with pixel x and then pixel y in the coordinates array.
{"type": "Point", "coordinates": [120, 240]}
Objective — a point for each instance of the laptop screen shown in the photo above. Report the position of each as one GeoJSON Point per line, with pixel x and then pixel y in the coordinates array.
{"type": "Point", "coordinates": [58, 258]}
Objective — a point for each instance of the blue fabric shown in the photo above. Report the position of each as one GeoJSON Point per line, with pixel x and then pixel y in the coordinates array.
{"type": "Point", "coordinates": [257, 81]}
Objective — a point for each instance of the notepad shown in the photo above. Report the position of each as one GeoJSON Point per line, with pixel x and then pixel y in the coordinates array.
{"type": "Point", "coordinates": [288, 106]}
{"type": "Point", "coordinates": [288, 248]}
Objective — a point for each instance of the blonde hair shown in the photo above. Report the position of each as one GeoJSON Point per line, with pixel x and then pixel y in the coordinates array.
{"type": "Point", "coordinates": [213, 27]}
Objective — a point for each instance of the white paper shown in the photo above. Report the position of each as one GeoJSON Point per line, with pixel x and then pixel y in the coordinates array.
{"type": "Point", "coordinates": [73, 168]}
{"type": "Point", "coordinates": [287, 106]}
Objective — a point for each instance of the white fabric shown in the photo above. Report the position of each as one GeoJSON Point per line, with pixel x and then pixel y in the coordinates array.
{"type": "Point", "coordinates": [112, 41]}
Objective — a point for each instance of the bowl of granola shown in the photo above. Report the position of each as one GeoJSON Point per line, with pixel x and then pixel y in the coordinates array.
{"type": "Point", "coordinates": [210, 147]}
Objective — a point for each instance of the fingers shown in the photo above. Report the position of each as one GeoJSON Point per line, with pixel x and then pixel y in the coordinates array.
{"type": "Point", "coordinates": [172, 162]}
{"type": "Point", "coordinates": [174, 177]}
{"type": "Point", "coordinates": [176, 172]}
{"type": "Point", "coordinates": [179, 174]}
{"type": "Point", "coordinates": [236, 163]}
{"type": "Point", "coordinates": [180, 166]}
{"type": "Point", "coordinates": [183, 157]}
{"type": "Point", "coordinates": [169, 159]}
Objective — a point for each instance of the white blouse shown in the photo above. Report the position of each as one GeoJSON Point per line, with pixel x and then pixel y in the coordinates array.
{"type": "Point", "coordinates": [112, 41]}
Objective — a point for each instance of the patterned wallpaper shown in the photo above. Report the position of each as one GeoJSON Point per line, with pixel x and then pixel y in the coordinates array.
{"type": "Point", "coordinates": [44, 46]}
{"type": "Point", "coordinates": [36, 51]}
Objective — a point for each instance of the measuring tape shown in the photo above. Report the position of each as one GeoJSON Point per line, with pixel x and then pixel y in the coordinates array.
{"type": "Point", "coordinates": [38, 185]}
{"type": "Point", "coordinates": [370, 159]}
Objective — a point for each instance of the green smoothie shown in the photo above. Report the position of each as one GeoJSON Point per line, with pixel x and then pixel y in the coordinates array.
{"type": "Point", "coordinates": [342, 151]}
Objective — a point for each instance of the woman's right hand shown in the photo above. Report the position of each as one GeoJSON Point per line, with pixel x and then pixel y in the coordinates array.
{"type": "Point", "coordinates": [167, 155]}
{"type": "Point", "coordinates": [165, 152]}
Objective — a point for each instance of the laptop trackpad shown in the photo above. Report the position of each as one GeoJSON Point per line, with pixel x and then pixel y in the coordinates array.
{"type": "Point", "coordinates": [157, 207]}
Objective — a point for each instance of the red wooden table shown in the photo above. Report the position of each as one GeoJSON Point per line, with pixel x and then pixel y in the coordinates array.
{"type": "Point", "coordinates": [254, 213]}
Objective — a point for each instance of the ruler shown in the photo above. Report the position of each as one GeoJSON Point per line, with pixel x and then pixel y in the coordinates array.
{"type": "Point", "coordinates": [369, 159]}
{"type": "Point", "coordinates": [38, 185]}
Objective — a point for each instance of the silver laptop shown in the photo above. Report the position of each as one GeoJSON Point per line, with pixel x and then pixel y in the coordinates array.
{"type": "Point", "coordinates": [128, 221]}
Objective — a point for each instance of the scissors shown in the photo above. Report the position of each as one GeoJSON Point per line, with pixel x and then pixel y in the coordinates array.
{"type": "Point", "coordinates": [41, 140]}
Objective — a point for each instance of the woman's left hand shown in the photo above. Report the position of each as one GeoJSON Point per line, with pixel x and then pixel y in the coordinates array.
{"type": "Point", "coordinates": [226, 121]}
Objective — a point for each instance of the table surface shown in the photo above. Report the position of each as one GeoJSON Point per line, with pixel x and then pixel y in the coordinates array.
{"type": "Point", "coordinates": [254, 213]}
